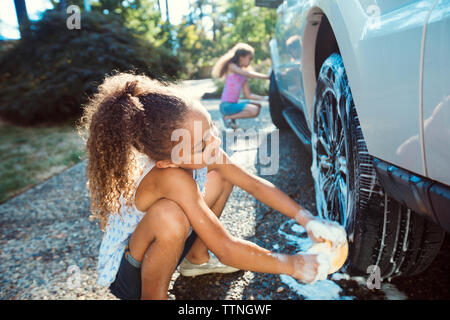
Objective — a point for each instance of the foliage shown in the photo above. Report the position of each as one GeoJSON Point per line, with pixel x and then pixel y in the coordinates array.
{"type": "Point", "coordinates": [232, 21]}
{"type": "Point", "coordinates": [47, 75]}
{"type": "Point", "coordinates": [49, 72]}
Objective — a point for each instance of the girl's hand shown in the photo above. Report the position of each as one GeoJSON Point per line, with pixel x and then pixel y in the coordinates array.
{"type": "Point", "coordinates": [321, 230]}
{"type": "Point", "coordinates": [310, 268]}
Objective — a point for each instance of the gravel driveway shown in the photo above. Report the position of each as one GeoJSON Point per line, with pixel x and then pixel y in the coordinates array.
{"type": "Point", "coordinates": [46, 238]}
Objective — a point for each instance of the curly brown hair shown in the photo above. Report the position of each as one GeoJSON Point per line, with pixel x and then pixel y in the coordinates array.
{"type": "Point", "coordinates": [129, 115]}
{"type": "Point", "coordinates": [232, 56]}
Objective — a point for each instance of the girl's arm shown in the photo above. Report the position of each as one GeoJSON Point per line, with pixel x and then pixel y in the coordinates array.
{"type": "Point", "coordinates": [178, 185]}
{"type": "Point", "coordinates": [261, 189]}
{"type": "Point", "coordinates": [249, 74]}
{"type": "Point", "coordinates": [251, 96]}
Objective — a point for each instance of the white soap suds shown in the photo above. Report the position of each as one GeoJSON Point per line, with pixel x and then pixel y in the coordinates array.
{"type": "Point", "coordinates": [302, 213]}
{"type": "Point", "coordinates": [280, 256]}
{"type": "Point", "coordinates": [297, 228]}
{"type": "Point", "coordinates": [328, 230]}
{"type": "Point", "coordinates": [360, 280]}
{"type": "Point", "coordinates": [323, 268]}
{"type": "Point", "coordinates": [303, 243]}
{"type": "Point", "coordinates": [321, 290]}
{"type": "Point", "coordinates": [392, 293]}
{"type": "Point", "coordinates": [340, 276]}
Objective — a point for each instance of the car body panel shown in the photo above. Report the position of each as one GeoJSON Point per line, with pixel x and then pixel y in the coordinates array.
{"type": "Point", "coordinates": [289, 42]}
{"type": "Point", "coordinates": [436, 93]}
{"type": "Point", "coordinates": [381, 45]}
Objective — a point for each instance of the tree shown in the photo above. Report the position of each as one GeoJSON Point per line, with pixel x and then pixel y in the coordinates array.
{"type": "Point", "coordinates": [50, 82]}
{"type": "Point", "coordinates": [22, 15]}
{"type": "Point", "coordinates": [167, 11]}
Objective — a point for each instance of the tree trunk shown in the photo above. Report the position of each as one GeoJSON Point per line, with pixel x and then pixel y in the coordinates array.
{"type": "Point", "coordinates": [22, 15]}
{"type": "Point", "coordinates": [62, 6]}
{"type": "Point", "coordinates": [159, 8]}
{"type": "Point", "coordinates": [167, 11]}
{"type": "Point", "coordinates": [214, 21]}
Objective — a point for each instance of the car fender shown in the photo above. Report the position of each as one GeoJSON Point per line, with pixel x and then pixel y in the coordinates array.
{"type": "Point", "coordinates": [387, 102]}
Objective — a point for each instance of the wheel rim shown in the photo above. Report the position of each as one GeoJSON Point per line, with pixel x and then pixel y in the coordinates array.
{"type": "Point", "coordinates": [330, 157]}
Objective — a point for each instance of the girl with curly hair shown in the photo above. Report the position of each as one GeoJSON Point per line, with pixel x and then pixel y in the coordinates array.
{"type": "Point", "coordinates": [235, 67]}
{"type": "Point", "coordinates": [159, 211]}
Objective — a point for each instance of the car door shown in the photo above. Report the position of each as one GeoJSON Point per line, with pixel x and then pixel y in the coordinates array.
{"type": "Point", "coordinates": [436, 93]}
{"type": "Point", "coordinates": [289, 30]}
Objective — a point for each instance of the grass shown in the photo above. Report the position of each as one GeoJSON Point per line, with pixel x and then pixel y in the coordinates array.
{"type": "Point", "coordinates": [31, 155]}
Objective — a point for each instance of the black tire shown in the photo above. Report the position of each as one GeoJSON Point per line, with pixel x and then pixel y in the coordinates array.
{"type": "Point", "coordinates": [381, 231]}
{"type": "Point", "coordinates": [276, 105]}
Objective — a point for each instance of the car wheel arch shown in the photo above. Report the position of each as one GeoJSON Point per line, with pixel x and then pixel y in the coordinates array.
{"type": "Point", "coordinates": [310, 51]}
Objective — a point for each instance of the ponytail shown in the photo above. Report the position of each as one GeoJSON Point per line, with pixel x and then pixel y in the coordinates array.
{"type": "Point", "coordinates": [130, 115]}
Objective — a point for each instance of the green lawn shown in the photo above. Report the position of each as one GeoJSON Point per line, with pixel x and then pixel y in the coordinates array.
{"type": "Point", "coordinates": [31, 155]}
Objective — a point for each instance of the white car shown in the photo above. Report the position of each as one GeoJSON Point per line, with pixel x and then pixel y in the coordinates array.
{"type": "Point", "coordinates": [365, 84]}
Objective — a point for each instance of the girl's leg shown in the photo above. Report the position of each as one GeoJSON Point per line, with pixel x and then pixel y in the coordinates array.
{"type": "Point", "coordinates": [158, 242]}
{"type": "Point", "coordinates": [217, 191]}
{"type": "Point", "coordinates": [251, 110]}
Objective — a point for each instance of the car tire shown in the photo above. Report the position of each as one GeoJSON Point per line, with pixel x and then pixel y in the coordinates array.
{"type": "Point", "coordinates": [276, 105]}
{"type": "Point", "coordinates": [382, 232]}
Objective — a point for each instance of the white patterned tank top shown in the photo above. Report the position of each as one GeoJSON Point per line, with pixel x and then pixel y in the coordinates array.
{"type": "Point", "coordinates": [120, 227]}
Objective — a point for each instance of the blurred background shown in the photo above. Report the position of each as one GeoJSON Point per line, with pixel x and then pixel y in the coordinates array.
{"type": "Point", "coordinates": [48, 69]}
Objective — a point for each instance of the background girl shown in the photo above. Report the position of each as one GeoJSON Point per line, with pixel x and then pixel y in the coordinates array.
{"type": "Point", "coordinates": [235, 67]}
{"type": "Point", "coordinates": [152, 211]}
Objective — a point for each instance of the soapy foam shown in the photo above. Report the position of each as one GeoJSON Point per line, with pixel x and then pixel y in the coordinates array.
{"type": "Point", "coordinates": [302, 213]}
{"type": "Point", "coordinates": [297, 228]}
{"type": "Point", "coordinates": [321, 290]}
{"type": "Point", "coordinates": [328, 230]}
{"type": "Point", "coordinates": [280, 257]}
{"type": "Point", "coordinates": [323, 268]}
{"type": "Point", "coordinates": [340, 276]}
{"type": "Point", "coordinates": [303, 243]}
{"type": "Point", "coordinates": [392, 293]}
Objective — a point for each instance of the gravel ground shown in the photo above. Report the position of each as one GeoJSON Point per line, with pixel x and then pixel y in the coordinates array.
{"type": "Point", "coordinates": [45, 232]}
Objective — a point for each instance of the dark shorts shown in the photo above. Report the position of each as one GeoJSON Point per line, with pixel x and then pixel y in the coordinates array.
{"type": "Point", "coordinates": [127, 285]}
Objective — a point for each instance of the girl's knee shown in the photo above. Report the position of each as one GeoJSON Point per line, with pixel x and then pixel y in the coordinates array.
{"type": "Point", "coordinates": [170, 219]}
{"type": "Point", "coordinates": [218, 179]}
{"type": "Point", "coordinates": [249, 107]}
{"type": "Point", "coordinates": [257, 109]}
{"type": "Point", "coordinates": [255, 112]}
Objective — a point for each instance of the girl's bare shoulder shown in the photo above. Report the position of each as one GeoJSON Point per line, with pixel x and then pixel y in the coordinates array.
{"type": "Point", "coordinates": [233, 68]}
{"type": "Point", "coordinates": [171, 183]}
{"type": "Point", "coordinates": [156, 185]}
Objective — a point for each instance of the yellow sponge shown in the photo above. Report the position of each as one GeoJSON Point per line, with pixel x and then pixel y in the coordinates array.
{"type": "Point", "coordinates": [337, 256]}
